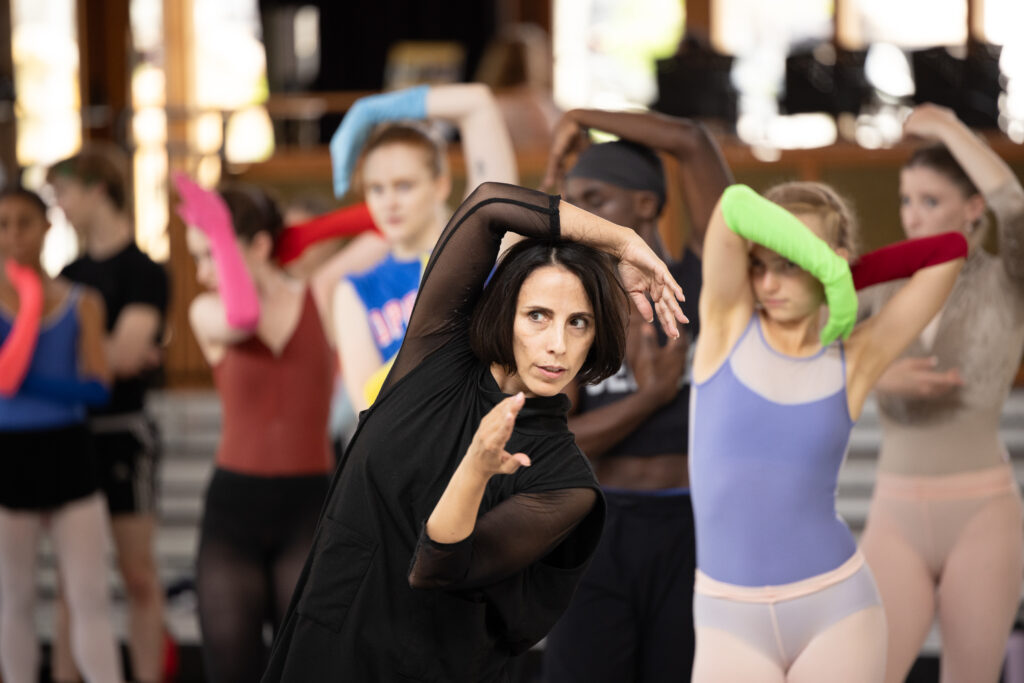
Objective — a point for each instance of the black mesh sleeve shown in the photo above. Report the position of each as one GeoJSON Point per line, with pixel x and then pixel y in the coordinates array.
{"type": "Point", "coordinates": [461, 262]}
{"type": "Point", "coordinates": [508, 538]}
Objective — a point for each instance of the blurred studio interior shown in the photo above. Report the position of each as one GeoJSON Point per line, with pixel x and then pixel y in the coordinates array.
{"type": "Point", "coordinates": [252, 91]}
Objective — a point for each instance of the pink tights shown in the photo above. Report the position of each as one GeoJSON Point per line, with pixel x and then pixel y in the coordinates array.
{"type": "Point", "coordinates": [78, 533]}
{"type": "Point", "coordinates": [826, 628]}
{"type": "Point", "coordinates": [949, 545]}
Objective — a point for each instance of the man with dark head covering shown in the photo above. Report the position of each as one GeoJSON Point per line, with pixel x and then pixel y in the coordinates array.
{"type": "Point", "coordinates": [631, 618]}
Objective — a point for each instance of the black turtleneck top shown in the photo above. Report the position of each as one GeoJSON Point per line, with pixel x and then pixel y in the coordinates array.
{"type": "Point", "coordinates": [380, 601]}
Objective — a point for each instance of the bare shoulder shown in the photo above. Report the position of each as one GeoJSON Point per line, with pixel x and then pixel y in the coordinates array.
{"type": "Point", "coordinates": [202, 306]}
{"type": "Point", "coordinates": [347, 304]}
{"type": "Point", "coordinates": [204, 315]}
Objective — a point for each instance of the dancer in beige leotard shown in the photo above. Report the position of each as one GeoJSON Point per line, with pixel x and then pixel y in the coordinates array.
{"type": "Point", "coordinates": [944, 531]}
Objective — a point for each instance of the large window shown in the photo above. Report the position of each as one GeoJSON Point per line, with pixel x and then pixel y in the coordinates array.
{"type": "Point", "coordinates": [149, 128]}
{"type": "Point", "coordinates": [45, 51]}
{"type": "Point", "coordinates": [907, 23]}
{"type": "Point", "coordinates": [760, 35]}
{"type": "Point", "coordinates": [231, 85]}
{"type": "Point", "coordinates": [1000, 23]}
{"type": "Point", "coordinates": [44, 47]}
{"type": "Point", "coordinates": [605, 50]}
{"type": "Point", "coordinates": [229, 121]}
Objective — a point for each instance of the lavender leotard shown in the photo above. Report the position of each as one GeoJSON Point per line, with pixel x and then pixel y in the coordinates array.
{"type": "Point", "coordinates": [769, 433]}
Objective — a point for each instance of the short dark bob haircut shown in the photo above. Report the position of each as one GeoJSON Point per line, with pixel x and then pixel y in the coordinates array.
{"type": "Point", "coordinates": [491, 328]}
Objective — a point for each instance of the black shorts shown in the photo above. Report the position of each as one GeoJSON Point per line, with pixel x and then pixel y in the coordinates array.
{"type": "Point", "coordinates": [127, 460]}
{"type": "Point", "coordinates": [260, 515]}
{"type": "Point", "coordinates": [43, 469]}
{"type": "Point", "coordinates": [631, 618]}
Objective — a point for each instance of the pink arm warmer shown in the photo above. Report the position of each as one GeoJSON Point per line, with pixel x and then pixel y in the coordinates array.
{"type": "Point", "coordinates": [16, 352]}
{"type": "Point", "coordinates": [207, 211]}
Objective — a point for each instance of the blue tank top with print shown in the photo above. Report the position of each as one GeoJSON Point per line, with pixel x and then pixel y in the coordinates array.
{"type": "Point", "coordinates": [388, 291]}
{"type": "Point", "coordinates": [769, 434]}
{"type": "Point", "coordinates": [56, 356]}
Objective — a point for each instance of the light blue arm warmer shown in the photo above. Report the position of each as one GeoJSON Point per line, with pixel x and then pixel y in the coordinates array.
{"type": "Point", "coordinates": [367, 112]}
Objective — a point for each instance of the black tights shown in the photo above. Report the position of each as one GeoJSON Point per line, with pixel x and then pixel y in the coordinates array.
{"type": "Point", "coordinates": [256, 535]}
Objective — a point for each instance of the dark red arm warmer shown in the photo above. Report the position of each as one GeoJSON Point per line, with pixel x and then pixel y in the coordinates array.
{"type": "Point", "coordinates": [903, 259]}
{"type": "Point", "coordinates": [345, 222]}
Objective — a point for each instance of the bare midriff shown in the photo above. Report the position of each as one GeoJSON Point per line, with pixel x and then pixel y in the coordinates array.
{"type": "Point", "coordinates": [643, 473]}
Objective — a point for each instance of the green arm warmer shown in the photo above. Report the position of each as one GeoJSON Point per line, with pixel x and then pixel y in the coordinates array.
{"type": "Point", "coordinates": [753, 217]}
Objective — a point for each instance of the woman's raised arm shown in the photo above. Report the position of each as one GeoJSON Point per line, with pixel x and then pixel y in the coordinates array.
{"type": "Point", "coordinates": [703, 174]}
{"type": "Point", "coordinates": [468, 247]}
{"type": "Point", "coordinates": [994, 179]}
{"type": "Point", "coordinates": [486, 144]}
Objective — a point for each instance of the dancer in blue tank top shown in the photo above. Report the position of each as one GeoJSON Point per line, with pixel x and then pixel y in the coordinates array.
{"type": "Point", "coordinates": [401, 169]}
{"type": "Point", "coordinates": [388, 291]}
{"type": "Point", "coordinates": [782, 593]}
{"type": "Point", "coordinates": [47, 470]}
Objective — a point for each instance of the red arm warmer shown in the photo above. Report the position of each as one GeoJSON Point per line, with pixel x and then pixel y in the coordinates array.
{"type": "Point", "coordinates": [16, 352]}
{"type": "Point", "coordinates": [903, 259]}
{"type": "Point", "coordinates": [345, 222]}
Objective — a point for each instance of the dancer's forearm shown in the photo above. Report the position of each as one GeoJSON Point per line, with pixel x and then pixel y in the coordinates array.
{"type": "Point", "coordinates": [486, 143]}
{"type": "Point", "coordinates": [19, 346]}
{"type": "Point", "coordinates": [454, 516]}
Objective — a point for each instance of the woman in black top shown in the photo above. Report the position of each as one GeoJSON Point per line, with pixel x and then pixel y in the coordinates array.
{"type": "Point", "coordinates": [426, 567]}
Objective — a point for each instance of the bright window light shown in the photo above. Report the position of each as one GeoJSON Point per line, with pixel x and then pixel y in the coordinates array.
{"type": "Point", "coordinates": [605, 50]}
{"type": "Point", "coordinates": [912, 23]}
{"type": "Point", "coordinates": [744, 26]}
{"type": "Point", "coordinates": [233, 73]}
{"type": "Point", "coordinates": [44, 47]}
{"type": "Point", "coordinates": [1002, 21]}
{"type": "Point", "coordinates": [795, 131]}
{"type": "Point", "coordinates": [887, 69]}
{"type": "Point", "coordinates": [149, 129]}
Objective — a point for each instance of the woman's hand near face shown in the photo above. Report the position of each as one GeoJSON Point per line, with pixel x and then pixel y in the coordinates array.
{"type": "Point", "coordinates": [657, 369]}
{"type": "Point", "coordinates": [983, 166]}
{"type": "Point", "coordinates": [918, 378]}
{"type": "Point", "coordinates": [641, 271]}
{"type": "Point", "coordinates": [487, 455]}
{"type": "Point", "coordinates": [455, 515]}
{"type": "Point", "coordinates": [642, 274]}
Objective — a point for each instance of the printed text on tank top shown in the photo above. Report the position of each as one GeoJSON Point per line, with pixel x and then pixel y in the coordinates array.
{"type": "Point", "coordinates": [388, 293]}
